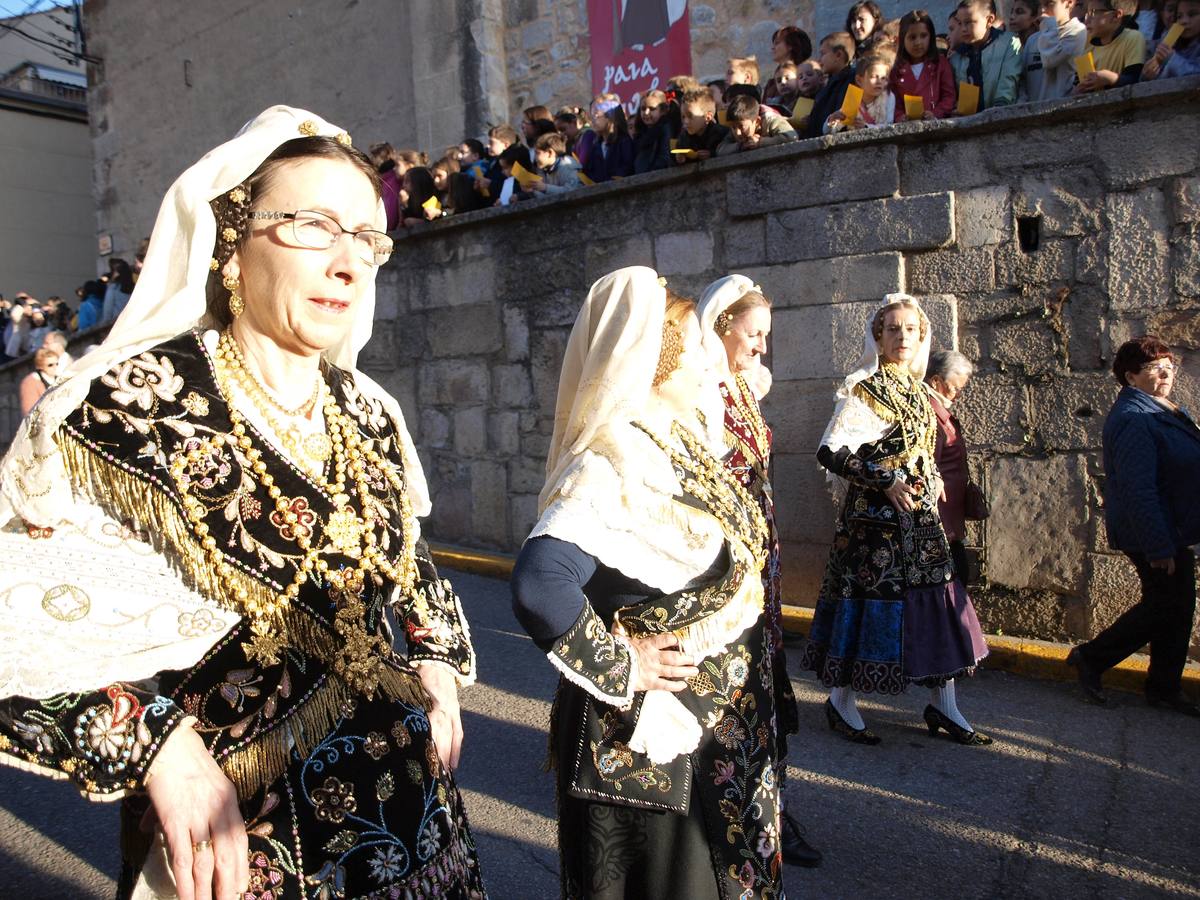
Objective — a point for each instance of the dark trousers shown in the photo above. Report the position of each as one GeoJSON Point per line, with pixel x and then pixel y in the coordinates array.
{"type": "Point", "coordinates": [958, 555]}
{"type": "Point", "coordinates": [1163, 619]}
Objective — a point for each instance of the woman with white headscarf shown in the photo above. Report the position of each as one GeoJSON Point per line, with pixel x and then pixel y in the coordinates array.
{"type": "Point", "coordinates": [891, 611]}
{"type": "Point", "coordinates": [223, 506]}
{"type": "Point", "coordinates": [735, 322]}
{"type": "Point", "coordinates": [640, 581]}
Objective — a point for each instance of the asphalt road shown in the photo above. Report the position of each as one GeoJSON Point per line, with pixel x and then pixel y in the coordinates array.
{"type": "Point", "coordinates": [1070, 802]}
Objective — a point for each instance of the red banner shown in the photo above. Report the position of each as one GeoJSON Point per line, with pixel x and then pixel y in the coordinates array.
{"type": "Point", "coordinates": [637, 45]}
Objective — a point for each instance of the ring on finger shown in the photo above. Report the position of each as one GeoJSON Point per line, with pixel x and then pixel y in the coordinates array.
{"type": "Point", "coordinates": [201, 845]}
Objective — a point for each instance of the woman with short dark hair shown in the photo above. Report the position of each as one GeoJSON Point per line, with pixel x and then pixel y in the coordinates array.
{"type": "Point", "coordinates": [1152, 515]}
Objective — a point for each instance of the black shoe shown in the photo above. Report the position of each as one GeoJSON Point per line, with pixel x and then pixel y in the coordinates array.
{"type": "Point", "coordinates": [1089, 678]}
{"type": "Point", "coordinates": [842, 727]}
{"type": "Point", "coordinates": [935, 719]}
{"type": "Point", "coordinates": [1176, 702]}
{"type": "Point", "coordinates": [796, 850]}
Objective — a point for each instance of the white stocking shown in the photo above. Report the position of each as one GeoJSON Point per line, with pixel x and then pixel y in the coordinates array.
{"type": "Point", "coordinates": [842, 699]}
{"type": "Point", "coordinates": [943, 700]}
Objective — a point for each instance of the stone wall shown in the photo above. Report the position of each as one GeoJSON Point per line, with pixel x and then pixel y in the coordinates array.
{"type": "Point", "coordinates": [475, 311]}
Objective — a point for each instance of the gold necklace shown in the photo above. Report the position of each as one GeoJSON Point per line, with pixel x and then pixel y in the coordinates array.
{"type": "Point", "coordinates": [258, 389]}
{"type": "Point", "coordinates": [906, 396]}
{"type": "Point", "coordinates": [347, 533]}
{"type": "Point", "coordinates": [747, 408]}
{"type": "Point", "coordinates": [714, 485]}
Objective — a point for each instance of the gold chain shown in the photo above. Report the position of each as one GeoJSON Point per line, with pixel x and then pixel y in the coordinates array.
{"type": "Point", "coordinates": [348, 534]}
{"type": "Point", "coordinates": [714, 485]}
{"type": "Point", "coordinates": [906, 395]}
{"type": "Point", "coordinates": [261, 395]}
{"type": "Point", "coordinates": [747, 407]}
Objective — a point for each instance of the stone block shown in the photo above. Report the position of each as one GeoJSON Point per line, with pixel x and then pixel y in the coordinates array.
{"type": "Point", "coordinates": [464, 331]}
{"type": "Point", "coordinates": [387, 295]}
{"type": "Point", "coordinates": [470, 431]}
{"type": "Point", "coordinates": [1185, 260]}
{"type": "Point", "coordinates": [904, 223]}
{"type": "Point", "coordinates": [527, 474]}
{"type": "Point", "coordinates": [435, 429]}
{"type": "Point", "coordinates": [803, 569]}
{"type": "Point", "coordinates": [1083, 312]}
{"type": "Point", "coordinates": [557, 309]}
{"type": "Point", "coordinates": [1068, 200]}
{"type": "Point", "coordinates": [452, 381]}
{"type": "Point", "coordinates": [537, 35]}
{"type": "Point", "coordinates": [1067, 412]}
{"type": "Point", "coordinates": [943, 165]}
{"type": "Point", "coordinates": [546, 355]}
{"type": "Point", "coordinates": [523, 514]}
{"type": "Point", "coordinates": [805, 502]}
{"type": "Point", "coordinates": [798, 412]}
{"type": "Point", "coordinates": [990, 412]}
{"type": "Point", "coordinates": [1052, 261]}
{"type": "Point", "coordinates": [1112, 587]}
{"type": "Point", "coordinates": [504, 434]}
{"type": "Point", "coordinates": [536, 445]}
{"type": "Point", "coordinates": [1178, 329]}
{"type": "Point", "coordinates": [1091, 259]}
{"type": "Point", "coordinates": [516, 333]}
{"type": "Point", "coordinates": [835, 280]}
{"type": "Point", "coordinates": [952, 271]}
{"type": "Point", "coordinates": [1131, 153]}
{"type": "Point", "coordinates": [982, 217]}
{"type": "Point", "coordinates": [1035, 145]}
{"type": "Point", "coordinates": [450, 490]}
{"type": "Point", "coordinates": [470, 281]}
{"type": "Point", "coordinates": [1185, 199]}
{"type": "Point", "coordinates": [1038, 527]}
{"type": "Point", "coordinates": [832, 176]}
{"type": "Point", "coordinates": [558, 269]}
{"type": "Point", "coordinates": [489, 503]}
{"type": "Point", "coordinates": [683, 252]}
{"type": "Point", "coordinates": [1137, 249]}
{"type": "Point", "coordinates": [745, 243]}
{"type": "Point", "coordinates": [602, 258]}
{"type": "Point", "coordinates": [511, 386]}
{"type": "Point", "coordinates": [1027, 346]}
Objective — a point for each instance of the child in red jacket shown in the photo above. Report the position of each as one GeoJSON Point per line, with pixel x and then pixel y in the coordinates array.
{"type": "Point", "coordinates": [921, 70]}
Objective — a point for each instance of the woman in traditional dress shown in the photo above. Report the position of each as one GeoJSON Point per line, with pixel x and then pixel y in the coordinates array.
{"type": "Point", "coordinates": [223, 506]}
{"type": "Point", "coordinates": [891, 611]}
{"type": "Point", "coordinates": [735, 321]}
{"type": "Point", "coordinates": [641, 582]}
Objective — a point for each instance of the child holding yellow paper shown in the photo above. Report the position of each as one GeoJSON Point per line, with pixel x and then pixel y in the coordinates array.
{"type": "Point", "coordinates": [560, 173]}
{"type": "Point", "coordinates": [419, 187]}
{"type": "Point", "coordinates": [878, 105]}
{"type": "Point", "coordinates": [610, 153]}
{"type": "Point", "coordinates": [835, 54]}
{"type": "Point", "coordinates": [1118, 49]}
{"type": "Point", "coordinates": [1050, 53]}
{"type": "Point", "coordinates": [987, 57]}
{"type": "Point", "coordinates": [921, 70]}
{"type": "Point", "coordinates": [651, 134]}
{"type": "Point", "coordinates": [1178, 53]}
{"type": "Point", "coordinates": [786, 88]}
{"type": "Point", "coordinates": [701, 135]}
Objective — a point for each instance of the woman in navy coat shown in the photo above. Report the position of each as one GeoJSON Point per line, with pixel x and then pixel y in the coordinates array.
{"type": "Point", "coordinates": [1152, 512]}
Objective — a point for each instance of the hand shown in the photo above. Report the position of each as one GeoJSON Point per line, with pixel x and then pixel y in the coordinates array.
{"type": "Point", "coordinates": [445, 718]}
{"type": "Point", "coordinates": [900, 494]}
{"type": "Point", "coordinates": [939, 489]}
{"type": "Point", "coordinates": [193, 801]}
{"type": "Point", "coordinates": [749, 142]}
{"type": "Point", "coordinates": [760, 381]}
{"type": "Point", "coordinates": [431, 213]}
{"type": "Point", "coordinates": [1151, 69]}
{"type": "Point", "coordinates": [1167, 565]}
{"type": "Point", "coordinates": [538, 186]}
{"type": "Point", "coordinates": [928, 116]}
{"type": "Point", "coordinates": [1163, 53]}
{"type": "Point", "coordinates": [700, 154]}
{"type": "Point", "coordinates": [481, 183]}
{"type": "Point", "coordinates": [661, 668]}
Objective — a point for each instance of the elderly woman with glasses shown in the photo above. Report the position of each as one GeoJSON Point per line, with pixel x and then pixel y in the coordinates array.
{"type": "Point", "coordinates": [224, 507]}
{"type": "Point", "coordinates": [1152, 515]}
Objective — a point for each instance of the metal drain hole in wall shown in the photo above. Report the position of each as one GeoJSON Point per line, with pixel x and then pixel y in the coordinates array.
{"type": "Point", "coordinates": [1029, 232]}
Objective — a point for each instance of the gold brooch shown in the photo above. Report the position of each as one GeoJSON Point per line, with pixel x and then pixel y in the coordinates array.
{"type": "Point", "coordinates": [662, 281]}
{"type": "Point", "coordinates": [343, 139]}
{"type": "Point", "coordinates": [308, 128]}
{"type": "Point", "coordinates": [237, 195]}
{"type": "Point", "coordinates": [228, 235]}
{"type": "Point", "coordinates": [213, 264]}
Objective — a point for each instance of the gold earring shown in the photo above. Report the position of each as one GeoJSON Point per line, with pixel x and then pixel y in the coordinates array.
{"type": "Point", "coordinates": [236, 304]}
{"type": "Point", "coordinates": [724, 324]}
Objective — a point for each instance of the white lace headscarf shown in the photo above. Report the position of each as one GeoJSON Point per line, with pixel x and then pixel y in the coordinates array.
{"type": "Point", "coordinates": [170, 299]}
{"type": "Point", "coordinates": [718, 297]}
{"type": "Point", "coordinates": [854, 423]}
{"type": "Point", "coordinates": [609, 489]}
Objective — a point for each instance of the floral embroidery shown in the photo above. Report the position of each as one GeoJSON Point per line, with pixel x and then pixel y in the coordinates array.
{"type": "Point", "coordinates": [401, 735]}
{"type": "Point", "coordinates": [388, 864]}
{"type": "Point", "coordinates": [334, 800]}
{"type": "Point", "coordinates": [730, 732]}
{"type": "Point", "coordinates": [200, 622]}
{"type": "Point", "coordinates": [195, 404]}
{"type": "Point", "coordinates": [210, 469]}
{"type": "Point", "coordinates": [143, 380]}
{"type": "Point", "coordinates": [265, 879]}
{"type": "Point", "coordinates": [302, 527]}
{"type": "Point", "coordinates": [430, 839]}
{"type": "Point", "coordinates": [376, 745]}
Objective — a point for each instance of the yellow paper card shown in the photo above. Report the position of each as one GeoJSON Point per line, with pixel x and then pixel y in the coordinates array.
{"type": "Point", "coordinates": [802, 108]}
{"type": "Point", "coordinates": [968, 99]}
{"type": "Point", "coordinates": [852, 102]}
{"type": "Point", "coordinates": [1174, 33]}
{"type": "Point", "coordinates": [432, 203]}
{"type": "Point", "coordinates": [914, 107]}
{"type": "Point", "coordinates": [674, 144]}
{"type": "Point", "coordinates": [1085, 65]}
{"type": "Point", "coordinates": [585, 179]}
{"type": "Point", "coordinates": [524, 177]}
{"type": "Point", "coordinates": [680, 151]}
{"type": "Point", "coordinates": [722, 117]}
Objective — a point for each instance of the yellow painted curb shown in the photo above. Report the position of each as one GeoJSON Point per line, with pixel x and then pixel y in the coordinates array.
{"type": "Point", "coordinates": [1021, 656]}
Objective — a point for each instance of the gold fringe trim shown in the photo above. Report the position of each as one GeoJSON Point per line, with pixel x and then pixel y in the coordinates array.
{"type": "Point", "coordinates": [261, 762]}
{"type": "Point", "coordinates": [130, 499]}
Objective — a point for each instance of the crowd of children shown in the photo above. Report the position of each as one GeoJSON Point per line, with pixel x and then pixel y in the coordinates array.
{"type": "Point", "coordinates": [875, 73]}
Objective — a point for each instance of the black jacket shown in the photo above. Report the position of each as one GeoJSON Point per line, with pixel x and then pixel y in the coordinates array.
{"type": "Point", "coordinates": [828, 101]}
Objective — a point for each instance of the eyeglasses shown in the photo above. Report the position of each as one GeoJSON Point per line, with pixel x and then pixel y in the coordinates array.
{"type": "Point", "coordinates": [318, 231]}
{"type": "Point", "coordinates": [1162, 368]}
